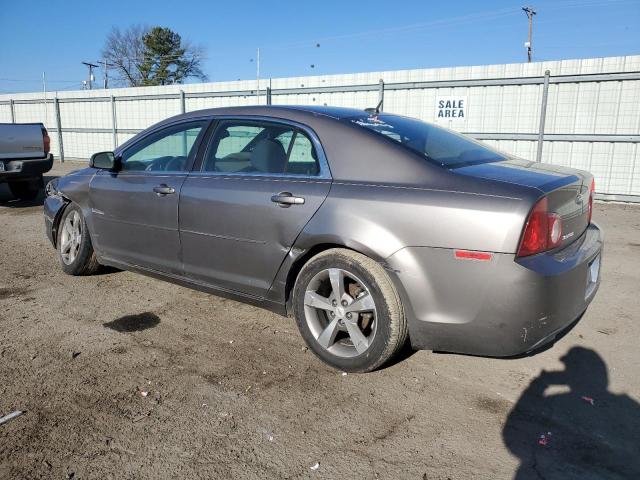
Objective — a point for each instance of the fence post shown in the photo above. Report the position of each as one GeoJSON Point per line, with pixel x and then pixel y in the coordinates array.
{"type": "Point", "coordinates": [381, 95]}
{"type": "Point", "coordinates": [543, 115]}
{"type": "Point", "coordinates": [183, 103]}
{"type": "Point", "coordinates": [268, 95]}
{"type": "Point", "coordinates": [13, 111]}
{"type": "Point", "coordinates": [56, 104]}
{"type": "Point", "coordinates": [114, 126]}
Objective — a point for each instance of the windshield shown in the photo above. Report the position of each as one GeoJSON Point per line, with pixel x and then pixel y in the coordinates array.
{"type": "Point", "coordinates": [440, 145]}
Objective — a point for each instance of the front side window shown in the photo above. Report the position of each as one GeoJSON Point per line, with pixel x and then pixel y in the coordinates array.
{"type": "Point", "coordinates": [169, 150]}
{"type": "Point", "coordinates": [260, 148]}
{"type": "Point", "coordinates": [442, 146]}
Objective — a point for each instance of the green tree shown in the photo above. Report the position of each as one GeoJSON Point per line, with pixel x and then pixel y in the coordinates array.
{"type": "Point", "coordinates": [166, 59]}
{"type": "Point", "coordinates": [152, 56]}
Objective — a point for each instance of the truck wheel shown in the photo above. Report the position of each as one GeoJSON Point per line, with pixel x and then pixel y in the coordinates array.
{"type": "Point", "coordinates": [348, 311]}
{"type": "Point", "coordinates": [75, 250]}
{"type": "Point", "coordinates": [26, 189]}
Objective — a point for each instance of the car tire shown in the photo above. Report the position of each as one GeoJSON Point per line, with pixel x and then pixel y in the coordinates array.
{"type": "Point", "coordinates": [26, 189]}
{"type": "Point", "coordinates": [75, 250]}
{"type": "Point", "coordinates": [368, 298]}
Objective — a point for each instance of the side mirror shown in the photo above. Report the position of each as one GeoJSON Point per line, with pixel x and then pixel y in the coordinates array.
{"type": "Point", "coordinates": [104, 160]}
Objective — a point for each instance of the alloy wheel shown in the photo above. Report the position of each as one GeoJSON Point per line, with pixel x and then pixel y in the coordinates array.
{"type": "Point", "coordinates": [340, 312]}
{"type": "Point", "coordinates": [71, 237]}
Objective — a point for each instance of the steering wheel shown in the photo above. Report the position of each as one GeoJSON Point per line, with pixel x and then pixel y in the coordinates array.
{"type": "Point", "coordinates": [159, 164]}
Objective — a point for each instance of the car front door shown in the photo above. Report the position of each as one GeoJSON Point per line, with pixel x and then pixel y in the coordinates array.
{"type": "Point", "coordinates": [135, 209]}
{"type": "Point", "coordinates": [258, 185]}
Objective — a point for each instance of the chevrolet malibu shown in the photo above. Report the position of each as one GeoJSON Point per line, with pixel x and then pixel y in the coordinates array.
{"type": "Point", "coordinates": [370, 229]}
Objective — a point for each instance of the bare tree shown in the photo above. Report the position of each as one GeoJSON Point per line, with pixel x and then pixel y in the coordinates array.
{"type": "Point", "coordinates": [124, 50]}
{"type": "Point", "coordinates": [152, 56]}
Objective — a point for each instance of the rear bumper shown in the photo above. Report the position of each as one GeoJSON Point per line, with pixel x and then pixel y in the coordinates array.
{"type": "Point", "coordinates": [502, 307]}
{"type": "Point", "coordinates": [25, 169]}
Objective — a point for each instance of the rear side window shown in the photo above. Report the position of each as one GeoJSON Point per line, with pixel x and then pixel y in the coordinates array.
{"type": "Point", "coordinates": [442, 146]}
{"type": "Point", "coordinates": [260, 148]}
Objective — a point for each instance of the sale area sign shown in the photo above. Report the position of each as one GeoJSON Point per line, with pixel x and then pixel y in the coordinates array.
{"type": "Point", "coordinates": [451, 108]}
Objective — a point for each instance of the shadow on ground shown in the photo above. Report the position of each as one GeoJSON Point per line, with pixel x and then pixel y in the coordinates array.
{"type": "Point", "coordinates": [134, 323]}
{"type": "Point", "coordinates": [8, 200]}
{"type": "Point", "coordinates": [581, 431]}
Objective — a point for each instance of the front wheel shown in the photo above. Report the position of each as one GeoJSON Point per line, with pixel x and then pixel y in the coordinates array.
{"type": "Point", "coordinates": [75, 250]}
{"type": "Point", "coordinates": [348, 311]}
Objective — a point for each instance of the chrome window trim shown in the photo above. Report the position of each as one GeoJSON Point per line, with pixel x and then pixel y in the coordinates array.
{"type": "Point", "coordinates": [325, 172]}
{"type": "Point", "coordinates": [119, 151]}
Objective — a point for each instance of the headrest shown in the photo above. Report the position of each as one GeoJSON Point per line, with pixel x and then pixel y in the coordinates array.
{"type": "Point", "coordinates": [268, 156]}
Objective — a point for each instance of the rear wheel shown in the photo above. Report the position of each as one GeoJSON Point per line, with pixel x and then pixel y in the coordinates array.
{"type": "Point", "coordinates": [26, 189]}
{"type": "Point", "coordinates": [75, 250]}
{"type": "Point", "coordinates": [348, 311]}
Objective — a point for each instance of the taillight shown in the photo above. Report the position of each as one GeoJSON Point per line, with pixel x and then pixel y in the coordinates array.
{"type": "Point", "coordinates": [46, 141]}
{"type": "Point", "coordinates": [592, 192]}
{"type": "Point", "coordinates": [542, 232]}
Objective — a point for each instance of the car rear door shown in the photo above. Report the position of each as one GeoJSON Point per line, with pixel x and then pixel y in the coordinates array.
{"type": "Point", "coordinates": [135, 210]}
{"type": "Point", "coordinates": [258, 185]}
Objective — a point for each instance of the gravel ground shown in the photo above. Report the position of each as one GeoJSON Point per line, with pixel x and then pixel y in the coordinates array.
{"type": "Point", "coordinates": [123, 376]}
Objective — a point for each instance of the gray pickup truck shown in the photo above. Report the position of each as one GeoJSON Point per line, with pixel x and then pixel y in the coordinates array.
{"type": "Point", "coordinates": [24, 158]}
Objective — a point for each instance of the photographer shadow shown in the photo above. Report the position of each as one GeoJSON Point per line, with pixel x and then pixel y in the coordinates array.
{"type": "Point", "coordinates": [583, 431]}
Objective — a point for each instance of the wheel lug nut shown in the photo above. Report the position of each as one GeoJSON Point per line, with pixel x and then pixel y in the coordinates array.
{"type": "Point", "coordinates": [332, 314]}
{"type": "Point", "coordinates": [349, 315]}
{"type": "Point", "coordinates": [334, 303]}
{"type": "Point", "coordinates": [344, 303]}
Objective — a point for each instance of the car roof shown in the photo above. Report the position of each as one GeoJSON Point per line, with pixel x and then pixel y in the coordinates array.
{"type": "Point", "coordinates": [281, 111]}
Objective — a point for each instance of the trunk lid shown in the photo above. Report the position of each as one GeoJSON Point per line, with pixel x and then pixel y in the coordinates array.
{"type": "Point", "coordinates": [567, 189]}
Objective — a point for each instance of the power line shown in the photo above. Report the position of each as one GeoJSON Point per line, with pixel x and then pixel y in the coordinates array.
{"type": "Point", "coordinates": [33, 80]}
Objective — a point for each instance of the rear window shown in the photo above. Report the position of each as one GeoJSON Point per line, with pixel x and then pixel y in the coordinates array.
{"type": "Point", "coordinates": [439, 145]}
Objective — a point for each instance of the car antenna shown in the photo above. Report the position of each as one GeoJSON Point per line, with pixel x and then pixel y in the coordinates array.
{"type": "Point", "coordinates": [374, 110]}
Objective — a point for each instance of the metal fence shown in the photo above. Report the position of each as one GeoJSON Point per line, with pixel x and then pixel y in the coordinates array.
{"type": "Point", "coordinates": [587, 115]}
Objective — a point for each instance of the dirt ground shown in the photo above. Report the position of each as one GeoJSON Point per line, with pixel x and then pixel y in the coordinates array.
{"type": "Point", "coordinates": [234, 393]}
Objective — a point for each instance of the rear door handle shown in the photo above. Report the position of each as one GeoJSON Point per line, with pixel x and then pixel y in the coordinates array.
{"type": "Point", "coordinates": [286, 199]}
{"type": "Point", "coordinates": [164, 189]}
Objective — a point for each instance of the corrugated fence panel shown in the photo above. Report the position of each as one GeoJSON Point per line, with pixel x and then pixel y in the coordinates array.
{"type": "Point", "coordinates": [85, 144]}
{"type": "Point", "coordinates": [91, 115]}
{"type": "Point", "coordinates": [5, 113]}
{"type": "Point", "coordinates": [139, 114]}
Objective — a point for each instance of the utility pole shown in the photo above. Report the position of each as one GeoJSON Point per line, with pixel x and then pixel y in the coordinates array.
{"type": "Point", "coordinates": [106, 74]}
{"type": "Point", "coordinates": [528, 45]}
{"type": "Point", "coordinates": [44, 96]}
{"type": "Point", "coordinates": [91, 67]}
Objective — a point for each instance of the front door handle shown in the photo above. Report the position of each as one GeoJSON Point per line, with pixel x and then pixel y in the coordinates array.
{"type": "Point", "coordinates": [286, 199]}
{"type": "Point", "coordinates": [164, 189]}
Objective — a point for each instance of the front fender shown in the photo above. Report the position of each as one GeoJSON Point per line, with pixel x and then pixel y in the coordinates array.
{"type": "Point", "coordinates": [54, 206]}
{"type": "Point", "coordinates": [73, 187]}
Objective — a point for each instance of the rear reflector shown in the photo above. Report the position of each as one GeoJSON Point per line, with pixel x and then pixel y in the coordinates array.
{"type": "Point", "coordinates": [471, 255]}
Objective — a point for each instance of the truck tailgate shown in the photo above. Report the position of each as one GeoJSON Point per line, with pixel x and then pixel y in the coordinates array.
{"type": "Point", "coordinates": [20, 141]}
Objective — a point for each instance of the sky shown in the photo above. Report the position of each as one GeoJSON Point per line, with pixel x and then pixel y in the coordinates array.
{"type": "Point", "coordinates": [310, 37]}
